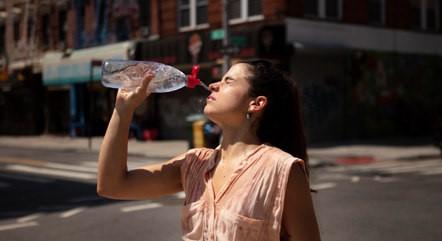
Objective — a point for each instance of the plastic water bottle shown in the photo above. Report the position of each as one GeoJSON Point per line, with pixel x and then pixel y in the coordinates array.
{"type": "Point", "coordinates": [130, 74]}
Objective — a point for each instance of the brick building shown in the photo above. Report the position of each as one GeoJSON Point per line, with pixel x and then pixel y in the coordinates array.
{"type": "Point", "coordinates": [358, 62]}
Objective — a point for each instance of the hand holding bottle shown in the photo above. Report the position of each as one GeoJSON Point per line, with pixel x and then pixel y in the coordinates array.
{"type": "Point", "coordinates": [128, 99]}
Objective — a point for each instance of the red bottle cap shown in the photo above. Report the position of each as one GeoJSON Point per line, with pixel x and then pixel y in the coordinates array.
{"type": "Point", "coordinates": [192, 79]}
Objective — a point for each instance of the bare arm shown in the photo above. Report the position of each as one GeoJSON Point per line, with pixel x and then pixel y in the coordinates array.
{"type": "Point", "coordinates": [113, 179]}
{"type": "Point", "coordinates": [299, 219]}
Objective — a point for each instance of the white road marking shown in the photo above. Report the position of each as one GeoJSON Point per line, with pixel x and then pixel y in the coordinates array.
{"type": "Point", "coordinates": [180, 195]}
{"type": "Point", "coordinates": [433, 171]}
{"type": "Point", "coordinates": [414, 166]}
{"type": "Point", "coordinates": [71, 167]}
{"type": "Point", "coordinates": [24, 178]}
{"type": "Point", "coordinates": [141, 207]}
{"type": "Point", "coordinates": [89, 164]}
{"type": "Point", "coordinates": [355, 179]}
{"type": "Point", "coordinates": [385, 179]}
{"type": "Point", "coordinates": [17, 225]}
{"type": "Point", "coordinates": [84, 199]}
{"type": "Point", "coordinates": [50, 172]}
{"type": "Point", "coordinates": [28, 218]}
{"type": "Point", "coordinates": [378, 165]}
{"type": "Point", "coordinates": [72, 212]}
{"type": "Point", "coordinates": [324, 185]}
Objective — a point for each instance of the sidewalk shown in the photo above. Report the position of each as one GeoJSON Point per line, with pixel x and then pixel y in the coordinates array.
{"type": "Point", "coordinates": [151, 149]}
{"type": "Point", "coordinates": [337, 154]}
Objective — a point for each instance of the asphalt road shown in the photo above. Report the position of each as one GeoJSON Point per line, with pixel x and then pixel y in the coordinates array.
{"type": "Point", "coordinates": [50, 195]}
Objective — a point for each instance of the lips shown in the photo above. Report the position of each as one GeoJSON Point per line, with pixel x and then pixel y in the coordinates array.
{"type": "Point", "coordinates": [211, 98]}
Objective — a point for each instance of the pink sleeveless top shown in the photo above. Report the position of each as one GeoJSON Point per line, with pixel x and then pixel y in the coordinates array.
{"type": "Point", "coordinates": [250, 204]}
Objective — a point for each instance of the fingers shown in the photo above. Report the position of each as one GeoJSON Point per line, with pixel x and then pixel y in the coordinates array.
{"type": "Point", "coordinates": [148, 77]}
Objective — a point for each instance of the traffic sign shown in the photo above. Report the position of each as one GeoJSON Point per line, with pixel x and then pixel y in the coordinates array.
{"type": "Point", "coordinates": [217, 34]}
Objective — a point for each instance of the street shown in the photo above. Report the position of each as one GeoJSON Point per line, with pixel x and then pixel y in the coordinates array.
{"type": "Point", "coordinates": [51, 195]}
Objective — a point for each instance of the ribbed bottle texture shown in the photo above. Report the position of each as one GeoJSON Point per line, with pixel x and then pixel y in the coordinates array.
{"type": "Point", "coordinates": [130, 74]}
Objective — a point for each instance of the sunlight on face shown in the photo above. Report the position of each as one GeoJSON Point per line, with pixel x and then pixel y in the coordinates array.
{"type": "Point", "coordinates": [229, 100]}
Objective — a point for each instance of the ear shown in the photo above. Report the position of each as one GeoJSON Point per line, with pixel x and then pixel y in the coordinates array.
{"type": "Point", "coordinates": [257, 104]}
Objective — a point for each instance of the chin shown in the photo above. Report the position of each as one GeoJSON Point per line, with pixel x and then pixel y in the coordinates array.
{"type": "Point", "coordinates": [210, 114]}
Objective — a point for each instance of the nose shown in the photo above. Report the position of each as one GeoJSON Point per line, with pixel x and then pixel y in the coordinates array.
{"type": "Point", "coordinates": [214, 86]}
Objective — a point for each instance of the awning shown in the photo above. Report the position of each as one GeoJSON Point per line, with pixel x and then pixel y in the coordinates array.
{"type": "Point", "coordinates": [362, 37]}
{"type": "Point", "coordinates": [62, 68]}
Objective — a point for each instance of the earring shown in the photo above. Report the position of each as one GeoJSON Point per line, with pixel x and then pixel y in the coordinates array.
{"type": "Point", "coordinates": [248, 116]}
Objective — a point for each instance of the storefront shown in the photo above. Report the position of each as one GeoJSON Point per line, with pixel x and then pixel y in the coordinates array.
{"type": "Point", "coordinates": [77, 103]}
{"type": "Point", "coordinates": [362, 82]}
{"type": "Point", "coordinates": [21, 98]}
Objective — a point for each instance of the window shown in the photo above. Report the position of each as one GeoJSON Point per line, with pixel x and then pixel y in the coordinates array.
{"type": "Point", "coordinates": [254, 7]}
{"type": "Point", "coordinates": [46, 29]}
{"type": "Point", "coordinates": [376, 12]}
{"type": "Point", "coordinates": [311, 8]}
{"type": "Point", "coordinates": [62, 26]}
{"type": "Point", "coordinates": [192, 13]}
{"type": "Point", "coordinates": [243, 10]}
{"type": "Point", "coordinates": [2, 38]}
{"type": "Point", "coordinates": [331, 9]}
{"type": "Point", "coordinates": [16, 30]}
{"type": "Point", "coordinates": [101, 16]}
{"type": "Point", "coordinates": [425, 14]}
{"type": "Point", "coordinates": [432, 15]}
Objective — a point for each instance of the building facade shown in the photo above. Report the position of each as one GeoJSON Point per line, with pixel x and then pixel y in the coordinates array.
{"type": "Point", "coordinates": [367, 69]}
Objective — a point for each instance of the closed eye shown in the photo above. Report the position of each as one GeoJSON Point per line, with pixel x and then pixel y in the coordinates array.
{"type": "Point", "coordinates": [228, 80]}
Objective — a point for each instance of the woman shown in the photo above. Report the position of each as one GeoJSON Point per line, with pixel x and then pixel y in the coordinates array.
{"type": "Point", "coordinates": [254, 186]}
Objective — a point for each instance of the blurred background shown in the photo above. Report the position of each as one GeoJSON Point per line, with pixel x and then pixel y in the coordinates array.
{"type": "Point", "coordinates": [370, 72]}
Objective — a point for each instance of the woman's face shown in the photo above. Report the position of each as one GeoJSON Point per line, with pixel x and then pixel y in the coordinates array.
{"type": "Point", "coordinates": [229, 101]}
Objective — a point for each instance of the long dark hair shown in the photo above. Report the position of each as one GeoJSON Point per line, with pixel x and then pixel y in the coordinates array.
{"type": "Point", "coordinates": [281, 124]}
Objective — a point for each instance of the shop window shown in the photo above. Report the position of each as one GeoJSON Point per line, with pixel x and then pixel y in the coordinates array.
{"type": "Point", "coordinates": [192, 14]}
{"type": "Point", "coordinates": [244, 10]}
{"type": "Point", "coordinates": [376, 12]}
{"type": "Point", "coordinates": [425, 14]}
{"type": "Point", "coordinates": [327, 9]}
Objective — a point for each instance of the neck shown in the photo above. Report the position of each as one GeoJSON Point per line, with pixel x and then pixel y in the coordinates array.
{"type": "Point", "coordinates": [236, 142]}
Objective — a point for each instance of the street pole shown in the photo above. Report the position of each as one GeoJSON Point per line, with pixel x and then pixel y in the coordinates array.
{"type": "Point", "coordinates": [226, 40]}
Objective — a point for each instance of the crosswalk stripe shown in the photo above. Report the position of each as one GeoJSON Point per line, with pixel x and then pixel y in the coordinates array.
{"type": "Point", "coordinates": [28, 218]}
{"type": "Point", "coordinates": [50, 172]}
{"type": "Point", "coordinates": [433, 171]}
{"type": "Point", "coordinates": [321, 186]}
{"type": "Point", "coordinates": [180, 195]}
{"type": "Point", "coordinates": [71, 167]}
{"type": "Point", "coordinates": [72, 212]}
{"type": "Point", "coordinates": [413, 167]}
{"type": "Point", "coordinates": [25, 178]}
{"type": "Point", "coordinates": [17, 225]}
{"type": "Point", "coordinates": [141, 207]}
{"type": "Point", "coordinates": [387, 164]}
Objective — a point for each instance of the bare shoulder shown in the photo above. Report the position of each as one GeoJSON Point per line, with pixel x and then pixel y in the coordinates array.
{"type": "Point", "coordinates": [280, 156]}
